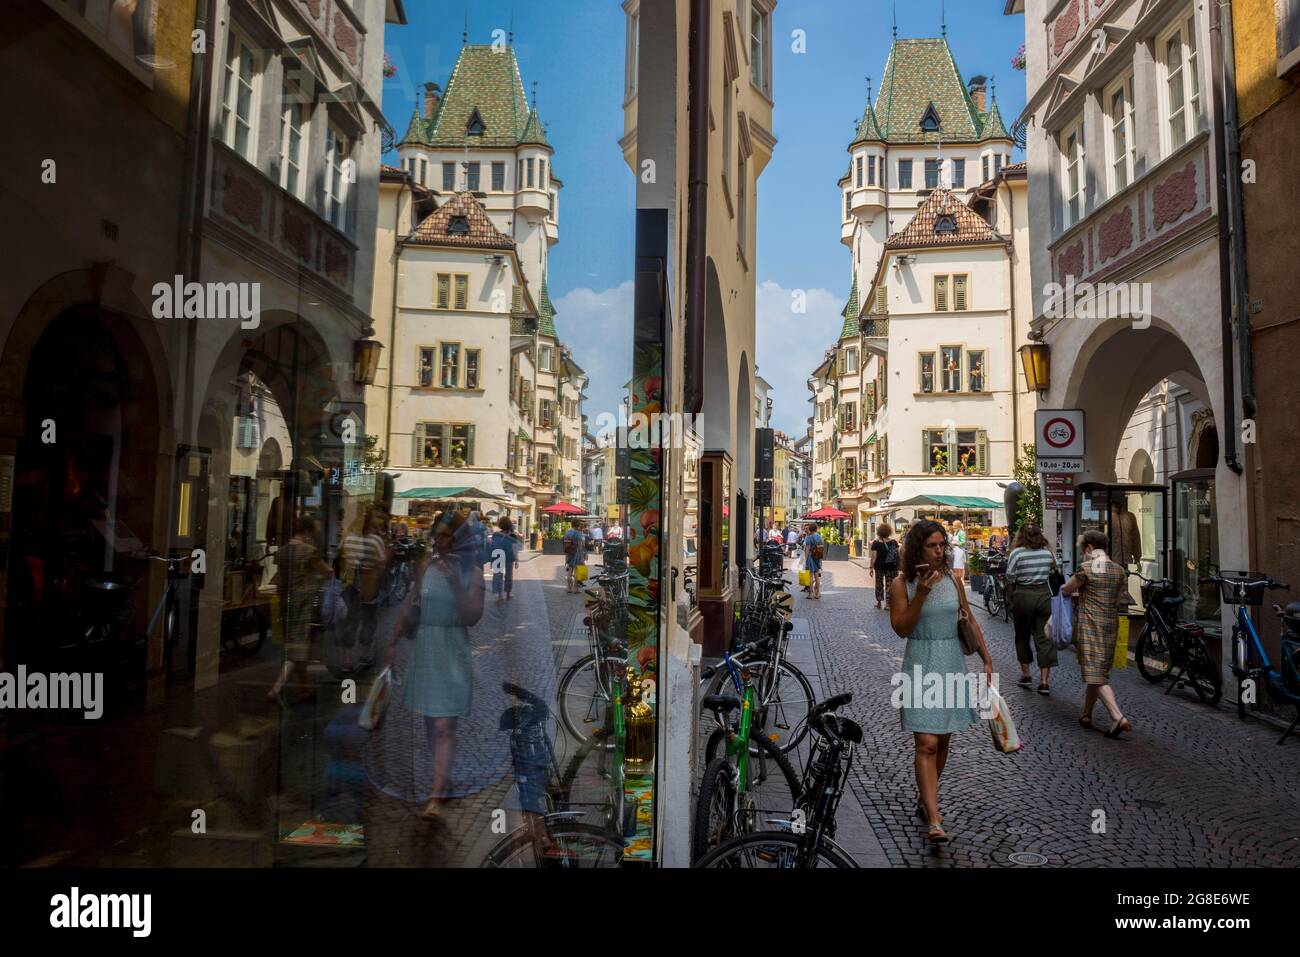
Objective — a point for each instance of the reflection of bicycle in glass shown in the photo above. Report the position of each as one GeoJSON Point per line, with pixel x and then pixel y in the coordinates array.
{"type": "Point", "coordinates": [554, 834]}
{"type": "Point", "coordinates": [400, 573]}
{"type": "Point", "coordinates": [168, 609]}
{"type": "Point", "coordinates": [246, 618]}
{"type": "Point", "coordinates": [584, 691]}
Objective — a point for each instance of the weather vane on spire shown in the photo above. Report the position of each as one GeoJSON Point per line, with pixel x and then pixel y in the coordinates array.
{"type": "Point", "coordinates": [895, 19]}
{"type": "Point", "coordinates": [464, 34]}
{"type": "Point", "coordinates": [868, 91]}
{"type": "Point", "coordinates": [943, 18]}
{"type": "Point", "coordinates": [534, 95]}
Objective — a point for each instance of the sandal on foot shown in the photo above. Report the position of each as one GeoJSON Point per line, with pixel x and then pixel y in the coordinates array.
{"type": "Point", "coordinates": [1043, 689]}
{"type": "Point", "coordinates": [1025, 681]}
{"type": "Point", "coordinates": [1086, 721]}
{"type": "Point", "coordinates": [1120, 727]}
{"type": "Point", "coordinates": [432, 811]}
{"type": "Point", "coordinates": [936, 834]}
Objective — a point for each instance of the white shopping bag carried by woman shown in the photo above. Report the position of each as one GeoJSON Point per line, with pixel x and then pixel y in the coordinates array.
{"type": "Point", "coordinates": [1062, 623]}
{"type": "Point", "coordinates": [1001, 726]}
{"type": "Point", "coordinates": [376, 706]}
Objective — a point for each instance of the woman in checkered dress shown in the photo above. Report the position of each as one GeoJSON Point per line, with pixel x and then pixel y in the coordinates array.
{"type": "Point", "coordinates": [1098, 585]}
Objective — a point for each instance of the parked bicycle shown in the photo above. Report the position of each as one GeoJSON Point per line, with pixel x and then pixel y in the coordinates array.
{"type": "Point", "coordinates": [246, 618]}
{"type": "Point", "coordinates": [1173, 649]}
{"type": "Point", "coordinates": [584, 694]}
{"type": "Point", "coordinates": [784, 694]}
{"type": "Point", "coordinates": [738, 787]}
{"type": "Point", "coordinates": [400, 573]}
{"type": "Point", "coordinates": [1250, 661]}
{"type": "Point", "coordinates": [806, 838]}
{"type": "Point", "coordinates": [995, 588]}
{"type": "Point", "coordinates": [563, 836]}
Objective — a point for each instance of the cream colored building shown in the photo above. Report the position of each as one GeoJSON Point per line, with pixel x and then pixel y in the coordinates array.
{"type": "Point", "coordinates": [475, 389]}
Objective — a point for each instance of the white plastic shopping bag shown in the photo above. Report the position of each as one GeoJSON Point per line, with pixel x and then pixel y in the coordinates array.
{"type": "Point", "coordinates": [1001, 725]}
{"type": "Point", "coordinates": [1062, 623]}
{"type": "Point", "coordinates": [376, 706]}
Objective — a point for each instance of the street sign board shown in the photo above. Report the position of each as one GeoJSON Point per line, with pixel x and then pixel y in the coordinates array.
{"type": "Point", "coordinates": [1058, 433]}
{"type": "Point", "coordinates": [1058, 491]}
{"type": "Point", "coordinates": [1055, 464]}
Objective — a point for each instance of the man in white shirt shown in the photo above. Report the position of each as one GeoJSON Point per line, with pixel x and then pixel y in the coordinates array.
{"type": "Point", "coordinates": [598, 537]}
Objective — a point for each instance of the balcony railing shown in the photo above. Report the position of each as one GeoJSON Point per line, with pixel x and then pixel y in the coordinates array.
{"type": "Point", "coordinates": [875, 328]}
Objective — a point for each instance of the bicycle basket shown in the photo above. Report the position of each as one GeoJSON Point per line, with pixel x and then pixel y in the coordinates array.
{"type": "Point", "coordinates": [1242, 588]}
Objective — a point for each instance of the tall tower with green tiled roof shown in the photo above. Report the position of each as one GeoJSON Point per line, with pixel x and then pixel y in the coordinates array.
{"type": "Point", "coordinates": [923, 126]}
{"type": "Point", "coordinates": [479, 133]}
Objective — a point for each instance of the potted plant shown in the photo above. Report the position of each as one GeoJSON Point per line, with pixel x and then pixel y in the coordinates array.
{"type": "Point", "coordinates": [553, 542]}
{"type": "Point", "coordinates": [977, 569]}
{"type": "Point", "coordinates": [837, 550]}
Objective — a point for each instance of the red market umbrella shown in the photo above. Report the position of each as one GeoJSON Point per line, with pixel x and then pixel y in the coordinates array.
{"type": "Point", "coordinates": [562, 508]}
{"type": "Point", "coordinates": [827, 512]}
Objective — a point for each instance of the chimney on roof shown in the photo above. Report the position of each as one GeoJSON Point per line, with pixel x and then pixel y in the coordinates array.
{"type": "Point", "coordinates": [432, 97]}
{"type": "Point", "coordinates": [978, 88]}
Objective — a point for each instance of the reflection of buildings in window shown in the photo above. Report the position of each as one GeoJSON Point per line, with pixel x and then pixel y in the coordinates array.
{"type": "Point", "coordinates": [927, 372]}
{"type": "Point", "coordinates": [976, 360]}
{"type": "Point", "coordinates": [426, 367]}
{"type": "Point", "coordinates": [967, 454]}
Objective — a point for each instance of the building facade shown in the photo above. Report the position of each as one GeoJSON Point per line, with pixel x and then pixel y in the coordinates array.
{"type": "Point", "coordinates": [477, 391]}
{"type": "Point", "coordinates": [1130, 277]}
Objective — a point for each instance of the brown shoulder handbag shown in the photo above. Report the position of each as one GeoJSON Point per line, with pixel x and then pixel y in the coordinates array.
{"type": "Point", "coordinates": [966, 633]}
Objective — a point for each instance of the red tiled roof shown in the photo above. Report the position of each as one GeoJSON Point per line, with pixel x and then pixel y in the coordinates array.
{"type": "Point", "coordinates": [482, 234]}
{"type": "Point", "coordinates": [971, 227]}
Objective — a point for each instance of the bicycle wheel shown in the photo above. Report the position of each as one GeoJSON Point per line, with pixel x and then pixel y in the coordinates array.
{"type": "Point", "coordinates": [993, 601]}
{"type": "Point", "coordinates": [584, 701]}
{"type": "Point", "coordinates": [247, 632]}
{"type": "Point", "coordinates": [782, 719]}
{"type": "Point", "coordinates": [773, 849]}
{"type": "Point", "coordinates": [773, 782]}
{"type": "Point", "coordinates": [715, 808]}
{"type": "Point", "coordinates": [1203, 672]}
{"type": "Point", "coordinates": [577, 846]}
{"type": "Point", "coordinates": [1152, 655]}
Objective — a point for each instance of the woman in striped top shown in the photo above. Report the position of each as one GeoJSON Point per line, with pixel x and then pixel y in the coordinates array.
{"type": "Point", "coordinates": [1028, 568]}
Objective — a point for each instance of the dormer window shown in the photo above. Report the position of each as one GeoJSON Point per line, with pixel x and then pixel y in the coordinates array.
{"type": "Point", "coordinates": [930, 120]}
{"type": "Point", "coordinates": [457, 226]}
{"type": "Point", "coordinates": [475, 126]}
{"type": "Point", "coordinates": [945, 224]}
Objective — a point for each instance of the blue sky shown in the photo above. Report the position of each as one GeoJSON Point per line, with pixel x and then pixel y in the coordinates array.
{"type": "Point", "coordinates": [574, 50]}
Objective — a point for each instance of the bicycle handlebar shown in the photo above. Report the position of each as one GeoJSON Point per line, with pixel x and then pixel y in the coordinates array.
{"type": "Point", "coordinates": [832, 704]}
{"type": "Point", "coordinates": [1267, 582]}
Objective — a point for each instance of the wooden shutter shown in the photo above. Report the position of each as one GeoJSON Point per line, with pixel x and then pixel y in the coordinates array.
{"type": "Point", "coordinates": [940, 293]}
{"type": "Point", "coordinates": [871, 399]}
{"type": "Point", "coordinates": [882, 298]}
{"type": "Point", "coordinates": [469, 445]}
{"type": "Point", "coordinates": [417, 454]}
{"type": "Point", "coordinates": [444, 291]}
{"type": "Point", "coordinates": [517, 299]}
{"type": "Point", "coordinates": [982, 452]}
{"type": "Point", "coordinates": [462, 292]}
{"type": "Point", "coordinates": [959, 297]}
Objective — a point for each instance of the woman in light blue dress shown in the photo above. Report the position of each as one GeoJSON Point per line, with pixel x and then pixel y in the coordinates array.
{"type": "Point", "coordinates": [923, 608]}
{"type": "Point", "coordinates": [437, 682]}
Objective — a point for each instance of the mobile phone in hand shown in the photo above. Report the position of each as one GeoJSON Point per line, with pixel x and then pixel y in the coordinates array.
{"type": "Point", "coordinates": [923, 568]}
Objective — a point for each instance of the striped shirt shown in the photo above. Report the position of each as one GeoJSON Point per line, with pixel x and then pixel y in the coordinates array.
{"type": "Point", "coordinates": [1029, 566]}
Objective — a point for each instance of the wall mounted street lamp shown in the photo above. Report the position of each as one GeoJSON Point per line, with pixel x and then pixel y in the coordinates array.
{"type": "Point", "coordinates": [1036, 357]}
{"type": "Point", "coordinates": [365, 360]}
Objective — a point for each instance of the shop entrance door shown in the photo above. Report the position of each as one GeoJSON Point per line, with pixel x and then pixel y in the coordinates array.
{"type": "Point", "coordinates": [1134, 520]}
{"type": "Point", "coordinates": [1195, 554]}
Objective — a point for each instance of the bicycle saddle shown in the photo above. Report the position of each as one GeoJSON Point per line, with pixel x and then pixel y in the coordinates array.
{"type": "Point", "coordinates": [722, 703]}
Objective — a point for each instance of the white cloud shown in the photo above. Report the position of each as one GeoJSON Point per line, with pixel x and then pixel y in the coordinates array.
{"type": "Point", "coordinates": [597, 326]}
{"type": "Point", "coordinates": [791, 345]}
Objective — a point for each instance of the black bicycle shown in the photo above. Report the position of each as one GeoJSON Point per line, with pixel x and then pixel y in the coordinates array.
{"type": "Point", "coordinates": [807, 838]}
{"type": "Point", "coordinates": [1169, 648]}
{"type": "Point", "coordinates": [995, 589]}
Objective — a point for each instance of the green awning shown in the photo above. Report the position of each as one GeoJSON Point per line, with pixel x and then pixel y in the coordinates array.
{"type": "Point", "coordinates": [439, 492]}
{"type": "Point", "coordinates": [870, 438]}
{"type": "Point", "coordinates": [951, 501]}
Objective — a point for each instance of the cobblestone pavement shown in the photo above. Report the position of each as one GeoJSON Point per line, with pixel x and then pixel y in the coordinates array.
{"type": "Point", "coordinates": [1191, 786]}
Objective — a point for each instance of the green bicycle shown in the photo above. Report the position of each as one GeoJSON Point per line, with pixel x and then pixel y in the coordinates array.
{"type": "Point", "coordinates": [741, 786]}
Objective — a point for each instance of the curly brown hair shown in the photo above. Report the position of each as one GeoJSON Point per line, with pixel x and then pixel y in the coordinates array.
{"type": "Point", "coordinates": [914, 542]}
{"type": "Point", "coordinates": [1030, 536]}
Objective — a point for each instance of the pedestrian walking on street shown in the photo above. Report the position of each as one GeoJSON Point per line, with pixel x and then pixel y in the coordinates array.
{"type": "Point", "coordinates": [791, 541]}
{"type": "Point", "coordinates": [504, 548]}
{"type": "Point", "coordinates": [924, 607]}
{"type": "Point", "coordinates": [814, 550]}
{"type": "Point", "coordinates": [1099, 584]}
{"type": "Point", "coordinates": [884, 561]}
{"type": "Point", "coordinates": [445, 603]}
{"type": "Point", "coordinates": [1029, 567]}
{"type": "Point", "coordinates": [575, 544]}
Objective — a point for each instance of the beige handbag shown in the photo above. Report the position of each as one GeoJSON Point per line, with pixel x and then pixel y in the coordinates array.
{"type": "Point", "coordinates": [966, 633]}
